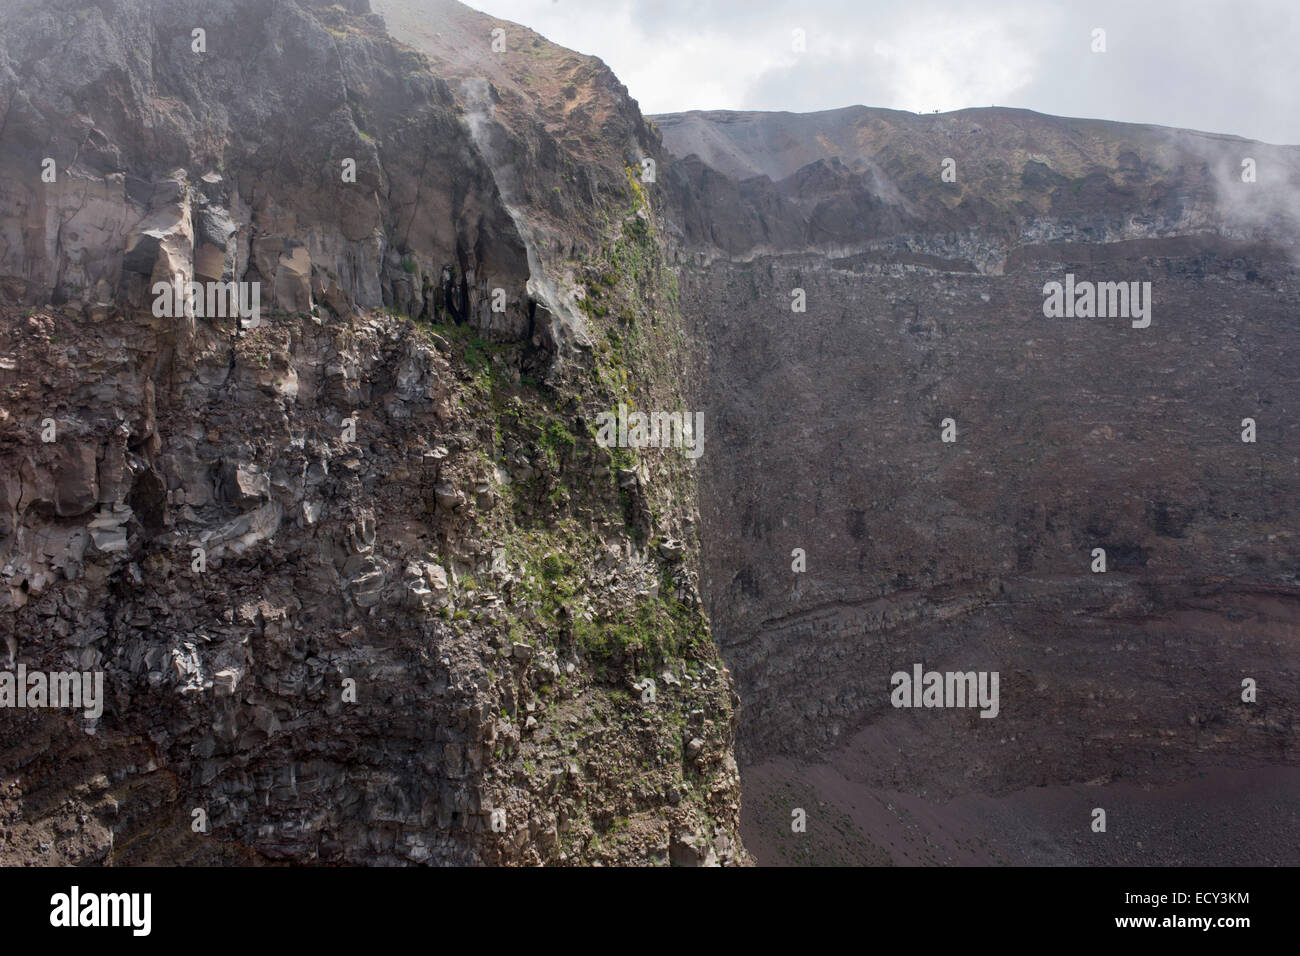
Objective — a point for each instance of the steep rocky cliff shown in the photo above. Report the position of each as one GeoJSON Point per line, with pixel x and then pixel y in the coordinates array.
{"type": "Point", "coordinates": [923, 302]}
{"type": "Point", "coordinates": [362, 585]}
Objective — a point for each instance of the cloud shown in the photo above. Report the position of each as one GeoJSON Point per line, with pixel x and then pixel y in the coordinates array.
{"type": "Point", "coordinates": [948, 63]}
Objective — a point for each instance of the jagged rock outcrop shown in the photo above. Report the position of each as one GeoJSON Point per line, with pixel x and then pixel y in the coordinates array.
{"type": "Point", "coordinates": [361, 584]}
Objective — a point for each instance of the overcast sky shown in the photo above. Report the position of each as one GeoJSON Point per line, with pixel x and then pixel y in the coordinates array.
{"type": "Point", "coordinates": [1218, 66]}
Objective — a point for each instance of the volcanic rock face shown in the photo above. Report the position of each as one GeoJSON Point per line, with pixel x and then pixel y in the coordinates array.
{"type": "Point", "coordinates": [923, 315]}
{"type": "Point", "coordinates": [303, 137]}
{"type": "Point", "coordinates": [361, 586]}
